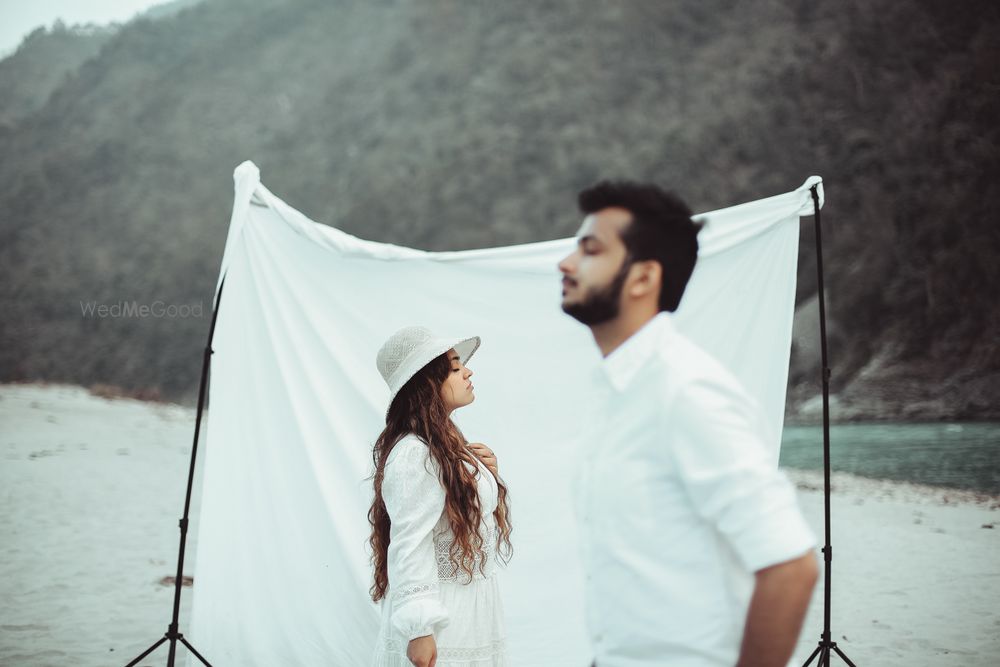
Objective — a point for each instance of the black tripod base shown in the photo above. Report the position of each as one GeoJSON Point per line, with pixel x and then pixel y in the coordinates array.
{"type": "Point", "coordinates": [823, 651]}
{"type": "Point", "coordinates": [173, 636]}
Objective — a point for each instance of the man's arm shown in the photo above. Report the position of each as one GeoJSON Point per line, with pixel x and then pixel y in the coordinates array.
{"type": "Point", "coordinates": [778, 606]}
{"type": "Point", "coordinates": [734, 484]}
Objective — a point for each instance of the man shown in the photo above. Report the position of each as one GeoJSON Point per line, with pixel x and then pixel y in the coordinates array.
{"type": "Point", "coordinates": [695, 550]}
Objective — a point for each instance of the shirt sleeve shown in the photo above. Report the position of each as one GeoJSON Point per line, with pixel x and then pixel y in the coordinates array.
{"type": "Point", "coordinates": [414, 499]}
{"type": "Point", "coordinates": [730, 478]}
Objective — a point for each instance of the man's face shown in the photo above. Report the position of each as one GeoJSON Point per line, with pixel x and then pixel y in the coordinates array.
{"type": "Point", "coordinates": [594, 273]}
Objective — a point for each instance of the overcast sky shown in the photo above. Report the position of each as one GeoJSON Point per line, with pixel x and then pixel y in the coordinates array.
{"type": "Point", "coordinates": [19, 17]}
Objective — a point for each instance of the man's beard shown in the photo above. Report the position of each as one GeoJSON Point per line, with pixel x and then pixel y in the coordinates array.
{"type": "Point", "coordinates": [601, 304]}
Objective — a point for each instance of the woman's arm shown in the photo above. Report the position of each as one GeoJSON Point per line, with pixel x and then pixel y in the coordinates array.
{"type": "Point", "coordinates": [414, 499]}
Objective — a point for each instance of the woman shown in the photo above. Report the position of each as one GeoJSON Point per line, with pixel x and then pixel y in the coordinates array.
{"type": "Point", "coordinates": [439, 517]}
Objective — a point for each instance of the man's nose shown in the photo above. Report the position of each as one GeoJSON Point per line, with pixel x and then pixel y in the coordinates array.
{"type": "Point", "coordinates": [566, 265]}
{"type": "Point", "coordinates": [468, 373]}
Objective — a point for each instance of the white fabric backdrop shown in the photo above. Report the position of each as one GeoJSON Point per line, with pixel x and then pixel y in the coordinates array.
{"type": "Point", "coordinates": [295, 403]}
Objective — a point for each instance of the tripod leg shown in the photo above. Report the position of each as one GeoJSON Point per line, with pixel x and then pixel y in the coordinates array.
{"type": "Point", "coordinates": [813, 657]}
{"type": "Point", "coordinates": [146, 652]}
{"type": "Point", "coordinates": [842, 656]}
{"type": "Point", "coordinates": [198, 655]}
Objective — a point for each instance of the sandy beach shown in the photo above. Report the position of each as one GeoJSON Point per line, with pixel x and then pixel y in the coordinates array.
{"type": "Point", "coordinates": [93, 488]}
{"type": "Point", "coordinates": [92, 493]}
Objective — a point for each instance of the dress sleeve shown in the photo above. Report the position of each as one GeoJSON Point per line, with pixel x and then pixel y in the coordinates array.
{"type": "Point", "coordinates": [414, 499]}
{"type": "Point", "coordinates": [729, 477]}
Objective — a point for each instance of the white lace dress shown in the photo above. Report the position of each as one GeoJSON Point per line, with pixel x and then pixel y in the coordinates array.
{"type": "Point", "coordinates": [426, 594]}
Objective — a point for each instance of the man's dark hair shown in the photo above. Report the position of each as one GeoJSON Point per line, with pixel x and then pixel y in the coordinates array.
{"type": "Point", "coordinates": [661, 229]}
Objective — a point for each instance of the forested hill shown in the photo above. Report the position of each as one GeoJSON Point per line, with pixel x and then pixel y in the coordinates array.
{"type": "Point", "coordinates": [457, 124]}
{"type": "Point", "coordinates": [40, 65]}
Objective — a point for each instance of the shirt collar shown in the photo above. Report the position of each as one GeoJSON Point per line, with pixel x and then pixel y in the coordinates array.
{"type": "Point", "coordinates": [624, 362]}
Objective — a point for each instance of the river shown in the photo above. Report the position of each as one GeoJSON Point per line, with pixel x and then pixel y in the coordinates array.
{"type": "Point", "coordinates": [957, 455]}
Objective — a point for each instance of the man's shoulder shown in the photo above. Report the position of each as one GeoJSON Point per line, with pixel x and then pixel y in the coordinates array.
{"type": "Point", "coordinates": [683, 367]}
{"type": "Point", "coordinates": [686, 359]}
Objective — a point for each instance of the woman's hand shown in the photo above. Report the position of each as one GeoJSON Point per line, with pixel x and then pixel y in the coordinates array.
{"type": "Point", "coordinates": [422, 651]}
{"type": "Point", "coordinates": [485, 455]}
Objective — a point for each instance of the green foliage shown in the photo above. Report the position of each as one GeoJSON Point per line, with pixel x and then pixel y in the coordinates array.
{"type": "Point", "coordinates": [457, 124]}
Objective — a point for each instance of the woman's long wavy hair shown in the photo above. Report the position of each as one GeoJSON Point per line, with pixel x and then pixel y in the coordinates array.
{"type": "Point", "coordinates": [418, 408]}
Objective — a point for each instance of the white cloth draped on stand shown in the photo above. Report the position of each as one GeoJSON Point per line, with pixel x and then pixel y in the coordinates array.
{"type": "Point", "coordinates": [295, 403]}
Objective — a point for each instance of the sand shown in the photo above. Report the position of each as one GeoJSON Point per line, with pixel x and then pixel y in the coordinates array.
{"type": "Point", "coordinates": [93, 489]}
{"type": "Point", "coordinates": [915, 573]}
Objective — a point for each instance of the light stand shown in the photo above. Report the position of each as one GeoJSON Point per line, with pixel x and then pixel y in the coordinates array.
{"type": "Point", "coordinates": [173, 635]}
{"type": "Point", "coordinates": [825, 644]}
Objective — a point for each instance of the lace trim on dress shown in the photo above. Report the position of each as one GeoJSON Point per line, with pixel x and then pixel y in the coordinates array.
{"type": "Point", "coordinates": [449, 571]}
{"type": "Point", "coordinates": [491, 650]}
{"type": "Point", "coordinates": [417, 591]}
{"type": "Point", "coordinates": [495, 649]}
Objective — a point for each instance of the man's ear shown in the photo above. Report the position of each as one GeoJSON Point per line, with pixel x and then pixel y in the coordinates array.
{"type": "Point", "coordinates": [645, 279]}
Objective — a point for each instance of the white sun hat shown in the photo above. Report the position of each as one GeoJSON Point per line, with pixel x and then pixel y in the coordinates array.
{"type": "Point", "coordinates": [410, 349]}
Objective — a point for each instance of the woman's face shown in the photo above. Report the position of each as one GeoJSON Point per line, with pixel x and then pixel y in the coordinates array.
{"type": "Point", "coordinates": [456, 391]}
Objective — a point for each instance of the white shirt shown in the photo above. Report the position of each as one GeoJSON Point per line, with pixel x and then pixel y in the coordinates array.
{"type": "Point", "coordinates": [427, 595]}
{"type": "Point", "coordinates": [678, 505]}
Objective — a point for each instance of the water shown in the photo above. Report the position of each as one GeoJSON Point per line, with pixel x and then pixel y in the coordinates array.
{"type": "Point", "coordinates": [957, 455]}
